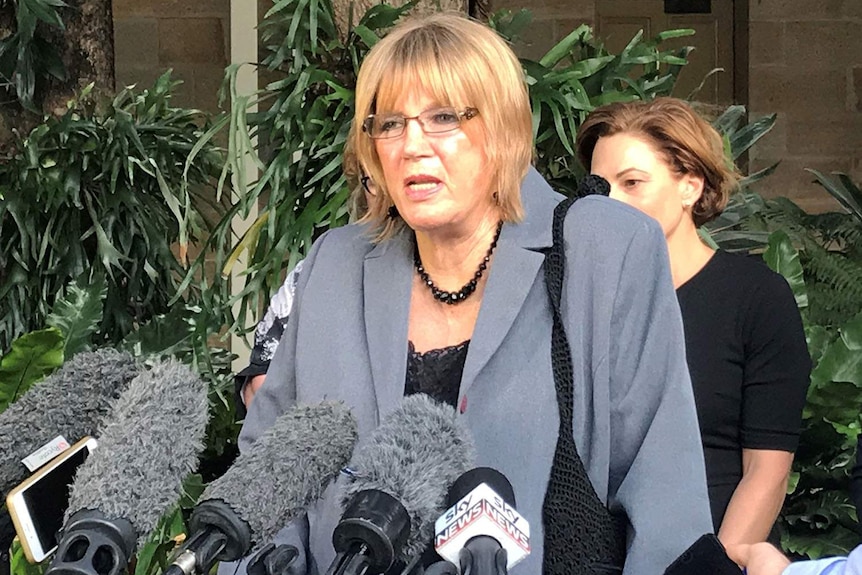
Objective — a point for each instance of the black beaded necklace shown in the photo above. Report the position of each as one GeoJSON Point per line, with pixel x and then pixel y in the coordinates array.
{"type": "Point", "coordinates": [454, 297]}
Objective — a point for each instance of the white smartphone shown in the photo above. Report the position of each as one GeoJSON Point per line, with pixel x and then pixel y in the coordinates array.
{"type": "Point", "coordinates": [37, 505]}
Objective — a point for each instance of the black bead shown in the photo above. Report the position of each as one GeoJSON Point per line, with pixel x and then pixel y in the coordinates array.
{"type": "Point", "coordinates": [452, 298]}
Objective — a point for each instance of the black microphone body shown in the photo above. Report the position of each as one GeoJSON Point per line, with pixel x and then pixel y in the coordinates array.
{"type": "Point", "coordinates": [274, 560]}
{"type": "Point", "coordinates": [398, 488]}
{"type": "Point", "coordinates": [483, 555]}
{"type": "Point", "coordinates": [268, 486]}
{"type": "Point", "coordinates": [147, 446]}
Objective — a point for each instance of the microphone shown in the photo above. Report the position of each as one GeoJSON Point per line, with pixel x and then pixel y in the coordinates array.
{"type": "Point", "coordinates": [593, 185]}
{"type": "Point", "coordinates": [400, 477]}
{"type": "Point", "coordinates": [147, 446]}
{"type": "Point", "coordinates": [269, 485]}
{"type": "Point", "coordinates": [273, 560]}
{"type": "Point", "coordinates": [706, 555]}
{"type": "Point", "coordinates": [70, 403]}
{"type": "Point", "coordinates": [482, 532]}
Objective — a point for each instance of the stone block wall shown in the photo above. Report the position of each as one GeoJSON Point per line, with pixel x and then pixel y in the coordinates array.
{"type": "Point", "coordinates": [192, 38]}
{"type": "Point", "coordinates": [806, 65]}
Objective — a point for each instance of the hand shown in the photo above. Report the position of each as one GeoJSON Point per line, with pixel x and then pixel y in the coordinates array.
{"type": "Point", "coordinates": [250, 388]}
{"type": "Point", "coordinates": [758, 559]}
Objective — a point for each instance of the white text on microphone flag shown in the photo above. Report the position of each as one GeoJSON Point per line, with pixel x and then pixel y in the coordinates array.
{"type": "Point", "coordinates": [482, 512]}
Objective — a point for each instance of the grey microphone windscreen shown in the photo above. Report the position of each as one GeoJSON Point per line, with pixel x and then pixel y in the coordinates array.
{"type": "Point", "coordinates": [288, 467]}
{"type": "Point", "coordinates": [415, 455]}
{"type": "Point", "coordinates": [147, 446]}
{"type": "Point", "coordinates": [71, 402]}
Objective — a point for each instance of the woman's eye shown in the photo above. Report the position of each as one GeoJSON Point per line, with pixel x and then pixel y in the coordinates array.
{"type": "Point", "coordinates": [389, 124]}
{"type": "Point", "coordinates": [444, 117]}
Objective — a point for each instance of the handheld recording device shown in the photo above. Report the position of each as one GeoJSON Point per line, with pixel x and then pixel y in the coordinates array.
{"type": "Point", "coordinates": [37, 505]}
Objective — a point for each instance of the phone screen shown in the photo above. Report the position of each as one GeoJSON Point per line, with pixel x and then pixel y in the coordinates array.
{"type": "Point", "coordinates": [48, 498]}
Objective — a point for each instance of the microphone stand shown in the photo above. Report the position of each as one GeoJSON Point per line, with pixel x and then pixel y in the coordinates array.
{"type": "Point", "coordinates": [219, 535]}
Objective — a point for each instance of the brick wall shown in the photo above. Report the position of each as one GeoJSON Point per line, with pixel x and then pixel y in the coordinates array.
{"type": "Point", "coordinates": [190, 37]}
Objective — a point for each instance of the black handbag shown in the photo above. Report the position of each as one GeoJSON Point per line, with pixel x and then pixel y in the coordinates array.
{"type": "Point", "coordinates": [581, 535]}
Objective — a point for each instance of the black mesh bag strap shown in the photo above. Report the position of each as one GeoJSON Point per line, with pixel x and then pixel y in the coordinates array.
{"type": "Point", "coordinates": [581, 535]}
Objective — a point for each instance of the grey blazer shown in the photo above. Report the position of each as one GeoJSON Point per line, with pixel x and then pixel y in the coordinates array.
{"type": "Point", "coordinates": [634, 417]}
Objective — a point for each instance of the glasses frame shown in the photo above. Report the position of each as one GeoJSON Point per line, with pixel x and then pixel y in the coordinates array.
{"type": "Point", "coordinates": [367, 183]}
{"type": "Point", "coordinates": [467, 113]}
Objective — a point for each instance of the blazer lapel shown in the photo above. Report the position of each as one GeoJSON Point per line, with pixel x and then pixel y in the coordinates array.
{"type": "Point", "coordinates": [387, 279]}
{"type": "Point", "coordinates": [517, 263]}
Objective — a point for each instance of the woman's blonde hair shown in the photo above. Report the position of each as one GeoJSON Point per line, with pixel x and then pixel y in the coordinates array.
{"type": "Point", "coordinates": [459, 63]}
{"type": "Point", "coordinates": [686, 141]}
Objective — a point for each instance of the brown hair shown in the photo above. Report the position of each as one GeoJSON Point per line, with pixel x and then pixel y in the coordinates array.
{"type": "Point", "coordinates": [687, 142]}
{"type": "Point", "coordinates": [461, 63]}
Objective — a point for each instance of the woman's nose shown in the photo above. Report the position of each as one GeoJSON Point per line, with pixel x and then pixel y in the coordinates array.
{"type": "Point", "coordinates": [415, 140]}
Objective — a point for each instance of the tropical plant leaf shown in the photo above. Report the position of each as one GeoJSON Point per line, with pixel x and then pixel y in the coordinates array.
{"type": "Point", "coordinates": [18, 563]}
{"type": "Point", "coordinates": [79, 314]}
{"type": "Point", "coordinates": [842, 360]}
{"type": "Point", "coordinates": [844, 190]}
{"type": "Point", "coordinates": [33, 356]}
{"type": "Point", "coordinates": [782, 257]}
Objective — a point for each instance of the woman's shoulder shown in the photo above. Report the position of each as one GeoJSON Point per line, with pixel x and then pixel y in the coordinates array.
{"type": "Point", "coordinates": [749, 273]}
{"type": "Point", "coordinates": [607, 224]}
{"type": "Point", "coordinates": [343, 242]}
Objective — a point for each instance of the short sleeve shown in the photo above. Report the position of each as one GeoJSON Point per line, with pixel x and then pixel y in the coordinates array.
{"type": "Point", "coordinates": [777, 368]}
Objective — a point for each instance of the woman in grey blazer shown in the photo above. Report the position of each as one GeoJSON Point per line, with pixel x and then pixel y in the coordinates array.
{"type": "Point", "coordinates": [440, 289]}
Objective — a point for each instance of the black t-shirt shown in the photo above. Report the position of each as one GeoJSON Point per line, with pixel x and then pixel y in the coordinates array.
{"type": "Point", "coordinates": [856, 483]}
{"type": "Point", "coordinates": [749, 365]}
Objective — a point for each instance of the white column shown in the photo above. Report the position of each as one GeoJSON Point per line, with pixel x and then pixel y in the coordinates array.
{"type": "Point", "coordinates": [243, 49]}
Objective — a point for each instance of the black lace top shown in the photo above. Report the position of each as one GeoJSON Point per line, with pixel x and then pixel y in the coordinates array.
{"type": "Point", "coordinates": [437, 372]}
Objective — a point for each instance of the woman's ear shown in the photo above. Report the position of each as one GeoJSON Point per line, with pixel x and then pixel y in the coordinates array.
{"type": "Point", "coordinates": [691, 189]}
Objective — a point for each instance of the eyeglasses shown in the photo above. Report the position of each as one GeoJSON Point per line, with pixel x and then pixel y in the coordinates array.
{"type": "Point", "coordinates": [369, 185]}
{"type": "Point", "coordinates": [434, 121]}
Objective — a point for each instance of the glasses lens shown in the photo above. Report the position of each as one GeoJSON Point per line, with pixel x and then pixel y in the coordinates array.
{"type": "Point", "coordinates": [388, 126]}
{"type": "Point", "coordinates": [439, 120]}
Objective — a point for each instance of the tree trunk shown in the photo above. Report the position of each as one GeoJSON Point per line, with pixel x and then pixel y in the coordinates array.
{"type": "Point", "coordinates": [86, 49]}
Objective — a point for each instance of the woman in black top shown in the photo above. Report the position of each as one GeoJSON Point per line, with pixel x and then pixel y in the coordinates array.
{"type": "Point", "coordinates": [745, 344]}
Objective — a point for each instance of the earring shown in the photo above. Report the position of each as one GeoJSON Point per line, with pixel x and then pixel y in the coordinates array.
{"type": "Point", "coordinates": [496, 197]}
{"type": "Point", "coordinates": [393, 212]}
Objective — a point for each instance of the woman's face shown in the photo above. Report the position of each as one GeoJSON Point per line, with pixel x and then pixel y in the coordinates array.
{"type": "Point", "coordinates": [641, 178]}
{"type": "Point", "coordinates": [438, 182]}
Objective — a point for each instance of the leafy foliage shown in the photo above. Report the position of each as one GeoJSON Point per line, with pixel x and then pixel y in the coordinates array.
{"type": "Point", "coordinates": [78, 315]}
{"type": "Point", "coordinates": [577, 75]}
{"type": "Point", "coordinates": [26, 58]}
{"type": "Point", "coordinates": [818, 518]}
{"type": "Point", "coordinates": [100, 192]}
{"type": "Point", "coordinates": [33, 355]}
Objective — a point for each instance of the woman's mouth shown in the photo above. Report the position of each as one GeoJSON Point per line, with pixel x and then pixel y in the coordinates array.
{"type": "Point", "coordinates": [418, 188]}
